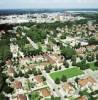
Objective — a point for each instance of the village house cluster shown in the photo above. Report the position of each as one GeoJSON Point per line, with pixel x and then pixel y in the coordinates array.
{"type": "Point", "coordinates": [55, 61]}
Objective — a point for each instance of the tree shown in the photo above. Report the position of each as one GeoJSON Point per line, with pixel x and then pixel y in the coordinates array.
{"type": "Point", "coordinates": [97, 56]}
{"type": "Point", "coordinates": [56, 68]}
{"type": "Point", "coordinates": [82, 64]}
{"type": "Point", "coordinates": [15, 75]}
{"type": "Point", "coordinates": [63, 36]}
{"type": "Point", "coordinates": [96, 63]}
{"type": "Point", "coordinates": [66, 64]}
{"type": "Point", "coordinates": [77, 46]}
{"type": "Point", "coordinates": [60, 68]}
{"type": "Point", "coordinates": [43, 78]}
{"type": "Point", "coordinates": [81, 57]}
{"type": "Point", "coordinates": [45, 68]}
{"type": "Point", "coordinates": [26, 75]}
{"type": "Point", "coordinates": [53, 89]}
{"type": "Point", "coordinates": [11, 79]}
{"type": "Point", "coordinates": [74, 63]}
{"type": "Point", "coordinates": [50, 67]}
{"type": "Point", "coordinates": [29, 71]}
{"type": "Point", "coordinates": [67, 52]}
{"type": "Point", "coordinates": [64, 78]}
{"type": "Point", "coordinates": [35, 72]}
{"type": "Point", "coordinates": [81, 93]}
{"type": "Point", "coordinates": [21, 74]}
{"type": "Point", "coordinates": [7, 89]}
{"type": "Point", "coordinates": [87, 66]}
{"type": "Point", "coordinates": [57, 81]}
{"type": "Point", "coordinates": [73, 58]}
{"type": "Point", "coordinates": [96, 48]}
{"type": "Point", "coordinates": [65, 96]}
{"type": "Point", "coordinates": [48, 71]}
{"type": "Point", "coordinates": [76, 80]}
{"type": "Point", "coordinates": [2, 81]}
{"type": "Point", "coordinates": [39, 72]}
{"type": "Point", "coordinates": [90, 57]}
{"type": "Point", "coordinates": [2, 97]}
{"type": "Point", "coordinates": [92, 41]}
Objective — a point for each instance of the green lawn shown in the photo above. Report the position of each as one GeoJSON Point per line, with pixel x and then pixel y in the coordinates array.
{"type": "Point", "coordinates": [92, 66]}
{"type": "Point", "coordinates": [68, 73]}
{"type": "Point", "coordinates": [34, 96]}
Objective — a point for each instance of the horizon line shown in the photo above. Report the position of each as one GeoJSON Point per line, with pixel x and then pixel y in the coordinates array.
{"type": "Point", "coordinates": [43, 8]}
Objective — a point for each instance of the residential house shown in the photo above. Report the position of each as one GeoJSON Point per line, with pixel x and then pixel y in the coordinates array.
{"type": "Point", "coordinates": [45, 92]}
{"type": "Point", "coordinates": [17, 84]}
{"type": "Point", "coordinates": [68, 88]}
{"type": "Point", "coordinates": [21, 97]}
{"type": "Point", "coordinates": [86, 82]}
{"type": "Point", "coordinates": [11, 71]}
{"type": "Point", "coordinates": [38, 79]}
{"type": "Point", "coordinates": [82, 98]}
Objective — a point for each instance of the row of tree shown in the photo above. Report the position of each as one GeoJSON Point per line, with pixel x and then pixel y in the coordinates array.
{"type": "Point", "coordinates": [63, 79]}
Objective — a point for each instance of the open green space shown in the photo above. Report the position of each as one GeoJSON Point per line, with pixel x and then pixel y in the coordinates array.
{"type": "Point", "coordinates": [71, 72]}
{"type": "Point", "coordinates": [4, 49]}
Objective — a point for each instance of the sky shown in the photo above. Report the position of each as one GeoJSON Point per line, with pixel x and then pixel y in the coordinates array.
{"type": "Point", "coordinates": [16, 4]}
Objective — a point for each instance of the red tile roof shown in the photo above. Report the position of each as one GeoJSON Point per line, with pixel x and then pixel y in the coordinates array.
{"type": "Point", "coordinates": [38, 79]}
{"type": "Point", "coordinates": [67, 87]}
{"type": "Point", "coordinates": [21, 97]}
{"type": "Point", "coordinates": [11, 70]}
{"type": "Point", "coordinates": [53, 58]}
{"type": "Point", "coordinates": [83, 82]}
{"type": "Point", "coordinates": [82, 98]}
{"type": "Point", "coordinates": [45, 92]}
{"type": "Point", "coordinates": [17, 84]}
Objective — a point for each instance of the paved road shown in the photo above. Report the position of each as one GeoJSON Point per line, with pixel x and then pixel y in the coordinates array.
{"type": "Point", "coordinates": [53, 85]}
{"type": "Point", "coordinates": [50, 82]}
{"type": "Point", "coordinates": [32, 43]}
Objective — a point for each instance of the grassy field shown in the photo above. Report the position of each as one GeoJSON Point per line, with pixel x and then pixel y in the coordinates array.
{"type": "Point", "coordinates": [68, 73]}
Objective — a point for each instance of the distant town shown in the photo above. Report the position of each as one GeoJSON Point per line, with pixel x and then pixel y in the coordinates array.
{"type": "Point", "coordinates": [49, 56]}
{"type": "Point", "coordinates": [38, 18]}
